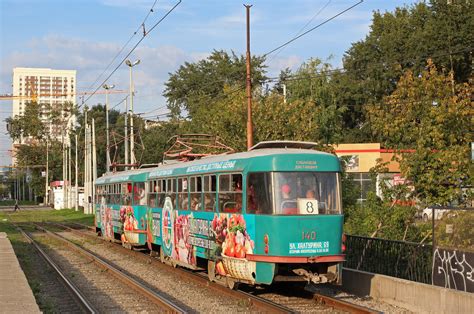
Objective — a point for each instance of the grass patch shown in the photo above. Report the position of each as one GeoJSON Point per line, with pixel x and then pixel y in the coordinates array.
{"type": "Point", "coordinates": [45, 215]}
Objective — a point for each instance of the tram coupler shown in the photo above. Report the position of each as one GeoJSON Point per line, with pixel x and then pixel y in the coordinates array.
{"type": "Point", "coordinates": [314, 277]}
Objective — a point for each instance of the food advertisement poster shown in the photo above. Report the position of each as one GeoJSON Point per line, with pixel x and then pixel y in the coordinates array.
{"type": "Point", "coordinates": [224, 239]}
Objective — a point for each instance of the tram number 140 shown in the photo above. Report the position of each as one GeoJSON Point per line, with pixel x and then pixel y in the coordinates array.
{"type": "Point", "coordinates": [308, 235]}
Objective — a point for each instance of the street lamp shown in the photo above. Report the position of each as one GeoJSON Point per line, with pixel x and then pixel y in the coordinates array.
{"type": "Point", "coordinates": [107, 87]}
{"type": "Point", "coordinates": [132, 141]}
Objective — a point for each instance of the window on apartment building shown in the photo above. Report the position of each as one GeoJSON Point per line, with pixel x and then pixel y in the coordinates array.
{"type": "Point", "coordinates": [364, 183]}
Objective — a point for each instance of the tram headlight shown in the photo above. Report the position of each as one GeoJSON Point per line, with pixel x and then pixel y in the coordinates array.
{"type": "Point", "coordinates": [343, 244]}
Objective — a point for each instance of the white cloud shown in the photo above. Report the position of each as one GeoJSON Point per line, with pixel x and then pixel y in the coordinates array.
{"type": "Point", "coordinates": [277, 64]}
{"type": "Point", "coordinates": [236, 18]}
{"type": "Point", "coordinates": [90, 58]}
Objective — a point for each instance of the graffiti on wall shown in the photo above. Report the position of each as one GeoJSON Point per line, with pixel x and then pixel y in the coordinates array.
{"type": "Point", "coordinates": [453, 269]}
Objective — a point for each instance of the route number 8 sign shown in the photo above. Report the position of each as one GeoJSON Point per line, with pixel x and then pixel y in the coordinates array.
{"type": "Point", "coordinates": [308, 206]}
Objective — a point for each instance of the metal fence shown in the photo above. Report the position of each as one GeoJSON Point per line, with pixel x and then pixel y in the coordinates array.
{"type": "Point", "coordinates": [407, 260]}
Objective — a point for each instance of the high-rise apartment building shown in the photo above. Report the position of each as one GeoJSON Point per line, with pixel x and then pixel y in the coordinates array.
{"type": "Point", "coordinates": [51, 89]}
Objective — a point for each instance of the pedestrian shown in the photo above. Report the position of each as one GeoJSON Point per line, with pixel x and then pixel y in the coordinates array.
{"type": "Point", "coordinates": [17, 208]}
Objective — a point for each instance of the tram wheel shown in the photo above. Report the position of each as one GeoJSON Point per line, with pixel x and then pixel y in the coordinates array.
{"type": "Point", "coordinates": [162, 256]}
{"type": "Point", "coordinates": [211, 270]}
{"type": "Point", "coordinates": [232, 284]}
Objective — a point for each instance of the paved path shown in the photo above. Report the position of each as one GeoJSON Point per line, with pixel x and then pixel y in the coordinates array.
{"type": "Point", "coordinates": [15, 293]}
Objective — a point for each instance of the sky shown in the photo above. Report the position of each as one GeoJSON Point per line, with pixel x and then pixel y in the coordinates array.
{"type": "Point", "coordinates": [86, 35]}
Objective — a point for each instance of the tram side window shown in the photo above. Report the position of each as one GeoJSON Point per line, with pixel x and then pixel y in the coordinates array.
{"type": "Point", "coordinates": [196, 189]}
{"type": "Point", "coordinates": [111, 194]}
{"type": "Point", "coordinates": [160, 189]}
{"type": "Point", "coordinates": [107, 195]}
{"type": "Point", "coordinates": [183, 193]}
{"type": "Point", "coordinates": [230, 193]}
{"type": "Point", "coordinates": [104, 193]}
{"type": "Point", "coordinates": [99, 194]}
{"type": "Point", "coordinates": [116, 197]}
{"type": "Point", "coordinates": [210, 193]}
{"type": "Point", "coordinates": [127, 193]}
{"type": "Point", "coordinates": [171, 190]}
{"type": "Point", "coordinates": [139, 194]}
{"type": "Point", "coordinates": [259, 196]}
{"type": "Point", "coordinates": [151, 194]}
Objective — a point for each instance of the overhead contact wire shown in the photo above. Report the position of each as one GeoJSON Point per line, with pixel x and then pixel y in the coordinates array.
{"type": "Point", "coordinates": [133, 49]}
{"type": "Point", "coordinates": [313, 28]}
{"type": "Point", "coordinates": [125, 45]}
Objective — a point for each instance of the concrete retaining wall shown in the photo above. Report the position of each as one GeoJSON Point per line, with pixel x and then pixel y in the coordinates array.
{"type": "Point", "coordinates": [414, 296]}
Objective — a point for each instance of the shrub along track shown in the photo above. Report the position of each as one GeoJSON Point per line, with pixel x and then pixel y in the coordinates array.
{"type": "Point", "coordinates": [290, 297]}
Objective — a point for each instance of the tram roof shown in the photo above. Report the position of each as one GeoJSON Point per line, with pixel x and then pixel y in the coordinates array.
{"type": "Point", "coordinates": [264, 159]}
{"type": "Point", "coordinates": [121, 176]}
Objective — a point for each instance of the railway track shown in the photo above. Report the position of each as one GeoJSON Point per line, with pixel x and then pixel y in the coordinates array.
{"type": "Point", "coordinates": [156, 301]}
{"type": "Point", "coordinates": [260, 299]}
{"type": "Point", "coordinates": [80, 302]}
{"type": "Point", "coordinates": [296, 297]}
{"type": "Point", "coordinates": [252, 302]}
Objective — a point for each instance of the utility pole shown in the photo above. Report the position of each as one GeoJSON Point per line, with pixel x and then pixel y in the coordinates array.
{"type": "Point", "coordinates": [64, 165]}
{"type": "Point", "coordinates": [69, 185]}
{"type": "Point", "coordinates": [94, 164]}
{"type": "Point", "coordinates": [46, 184]}
{"type": "Point", "coordinates": [86, 153]}
{"type": "Point", "coordinates": [132, 92]}
{"type": "Point", "coordinates": [75, 179]}
{"type": "Point", "coordinates": [126, 133]}
{"type": "Point", "coordinates": [89, 158]}
{"type": "Point", "coordinates": [249, 85]}
{"type": "Point", "coordinates": [107, 87]}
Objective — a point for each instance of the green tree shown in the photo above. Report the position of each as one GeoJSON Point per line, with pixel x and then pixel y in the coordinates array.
{"type": "Point", "coordinates": [27, 125]}
{"type": "Point", "coordinates": [311, 111]}
{"type": "Point", "coordinates": [398, 41]}
{"type": "Point", "coordinates": [432, 115]}
{"type": "Point", "coordinates": [194, 86]}
{"type": "Point", "coordinates": [116, 132]}
{"type": "Point", "coordinates": [34, 155]}
{"type": "Point", "coordinates": [155, 140]}
{"type": "Point", "coordinates": [32, 127]}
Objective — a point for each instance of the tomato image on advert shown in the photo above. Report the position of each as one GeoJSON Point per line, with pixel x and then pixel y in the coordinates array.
{"type": "Point", "coordinates": [233, 243]}
{"type": "Point", "coordinates": [129, 224]}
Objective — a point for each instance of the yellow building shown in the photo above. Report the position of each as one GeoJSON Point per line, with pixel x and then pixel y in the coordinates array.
{"type": "Point", "coordinates": [362, 157]}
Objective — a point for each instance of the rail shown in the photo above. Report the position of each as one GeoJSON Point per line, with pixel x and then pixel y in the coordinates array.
{"type": "Point", "coordinates": [80, 299]}
{"type": "Point", "coordinates": [343, 305]}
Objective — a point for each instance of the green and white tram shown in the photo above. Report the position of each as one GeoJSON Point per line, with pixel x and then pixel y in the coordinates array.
{"type": "Point", "coordinates": [272, 213]}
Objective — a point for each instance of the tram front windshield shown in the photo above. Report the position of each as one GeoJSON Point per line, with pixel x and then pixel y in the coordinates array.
{"type": "Point", "coordinates": [293, 193]}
